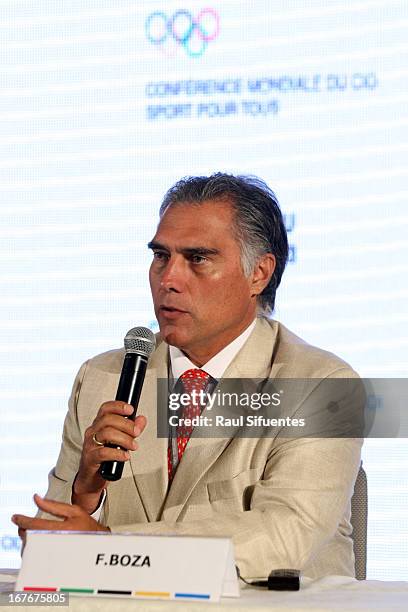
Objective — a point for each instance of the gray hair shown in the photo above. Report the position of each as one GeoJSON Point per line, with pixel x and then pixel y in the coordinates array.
{"type": "Point", "coordinates": [259, 227]}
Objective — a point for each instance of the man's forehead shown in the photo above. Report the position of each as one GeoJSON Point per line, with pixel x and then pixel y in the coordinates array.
{"type": "Point", "coordinates": [207, 220]}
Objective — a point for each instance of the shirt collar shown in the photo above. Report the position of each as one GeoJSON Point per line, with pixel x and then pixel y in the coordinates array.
{"type": "Point", "coordinates": [217, 365]}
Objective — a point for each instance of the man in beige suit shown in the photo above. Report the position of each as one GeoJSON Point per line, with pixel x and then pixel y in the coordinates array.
{"type": "Point", "coordinates": [218, 257]}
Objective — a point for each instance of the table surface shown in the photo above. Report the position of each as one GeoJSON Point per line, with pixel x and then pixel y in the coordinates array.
{"type": "Point", "coordinates": [331, 593]}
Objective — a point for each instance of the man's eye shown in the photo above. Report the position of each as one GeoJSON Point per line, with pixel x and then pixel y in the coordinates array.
{"type": "Point", "coordinates": [198, 259]}
{"type": "Point", "coordinates": [159, 256]}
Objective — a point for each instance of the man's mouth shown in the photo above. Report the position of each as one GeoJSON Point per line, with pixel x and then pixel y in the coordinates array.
{"type": "Point", "coordinates": [171, 308]}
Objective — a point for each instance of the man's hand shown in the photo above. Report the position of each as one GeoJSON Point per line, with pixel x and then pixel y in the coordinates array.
{"type": "Point", "coordinates": [74, 518]}
{"type": "Point", "coordinates": [109, 426]}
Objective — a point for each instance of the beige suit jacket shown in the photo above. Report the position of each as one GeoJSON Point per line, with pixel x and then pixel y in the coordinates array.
{"type": "Point", "coordinates": [284, 502]}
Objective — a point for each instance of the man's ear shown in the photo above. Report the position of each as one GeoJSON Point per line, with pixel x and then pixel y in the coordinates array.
{"type": "Point", "coordinates": [262, 274]}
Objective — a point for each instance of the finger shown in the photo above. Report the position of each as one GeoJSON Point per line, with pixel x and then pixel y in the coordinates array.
{"type": "Point", "coordinates": [106, 453]}
{"type": "Point", "coordinates": [140, 424]}
{"type": "Point", "coordinates": [114, 420]}
{"type": "Point", "coordinates": [23, 537]}
{"type": "Point", "coordinates": [92, 457]}
{"type": "Point", "coordinates": [113, 428]}
{"type": "Point", "coordinates": [57, 508]}
{"type": "Point", "coordinates": [116, 407]}
{"type": "Point", "coordinates": [127, 426]}
{"type": "Point", "coordinates": [110, 435]}
{"type": "Point", "coordinates": [22, 533]}
{"type": "Point", "coordinates": [28, 522]}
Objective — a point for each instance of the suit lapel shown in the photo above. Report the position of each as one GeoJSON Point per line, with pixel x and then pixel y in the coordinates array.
{"type": "Point", "coordinates": [255, 358]}
{"type": "Point", "coordinates": [252, 361]}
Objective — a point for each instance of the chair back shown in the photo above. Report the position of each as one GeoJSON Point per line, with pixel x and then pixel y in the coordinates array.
{"type": "Point", "coordinates": [359, 513]}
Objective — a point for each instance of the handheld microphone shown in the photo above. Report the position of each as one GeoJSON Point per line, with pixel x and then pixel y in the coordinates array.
{"type": "Point", "coordinates": [139, 344]}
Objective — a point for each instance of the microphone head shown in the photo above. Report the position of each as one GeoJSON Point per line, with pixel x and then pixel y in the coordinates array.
{"type": "Point", "coordinates": [140, 340]}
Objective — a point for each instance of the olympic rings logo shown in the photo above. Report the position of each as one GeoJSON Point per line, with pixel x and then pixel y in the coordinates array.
{"type": "Point", "coordinates": [183, 29]}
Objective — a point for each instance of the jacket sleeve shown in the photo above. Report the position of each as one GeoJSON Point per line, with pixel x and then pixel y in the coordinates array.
{"type": "Point", "coordinates": [61, 477]}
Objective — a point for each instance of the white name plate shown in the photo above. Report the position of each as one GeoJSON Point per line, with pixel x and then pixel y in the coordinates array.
{"type": "Point", "coordinates": [128, 565]}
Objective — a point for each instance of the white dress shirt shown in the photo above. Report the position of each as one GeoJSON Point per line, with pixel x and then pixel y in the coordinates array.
{"type": "Point", "coordinates": [217, 365]}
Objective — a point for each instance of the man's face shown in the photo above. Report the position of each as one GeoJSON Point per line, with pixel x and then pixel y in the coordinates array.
{"type": "Point", "coordinates": [201, 297]}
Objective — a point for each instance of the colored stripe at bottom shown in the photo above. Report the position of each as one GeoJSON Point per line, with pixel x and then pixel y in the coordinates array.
{"type": "Point", "coordinates": [112, 592]}
{"type": "Point", "coordinates": [68, 590]}
{"type": "Point", "coordinates": [42, 589]}
{"type": "Point", "coordinates": [192, 595]}
{"type": "Point", "coordinates": [151, 594]}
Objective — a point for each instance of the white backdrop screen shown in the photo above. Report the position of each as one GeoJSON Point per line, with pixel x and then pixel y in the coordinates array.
{"type": "Point", "coordinates": [105, 104]}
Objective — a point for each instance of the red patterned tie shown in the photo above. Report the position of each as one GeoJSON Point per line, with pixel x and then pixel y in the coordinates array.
{"type": "Point", "coordinates": [192, 380]}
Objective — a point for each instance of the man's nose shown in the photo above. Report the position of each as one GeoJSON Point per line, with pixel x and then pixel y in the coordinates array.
{"type": "Point", "coordinates": [174, 275]}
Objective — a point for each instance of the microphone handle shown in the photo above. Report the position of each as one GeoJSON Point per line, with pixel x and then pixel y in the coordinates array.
{"type": "Point", "coordinates": [129, 390]}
